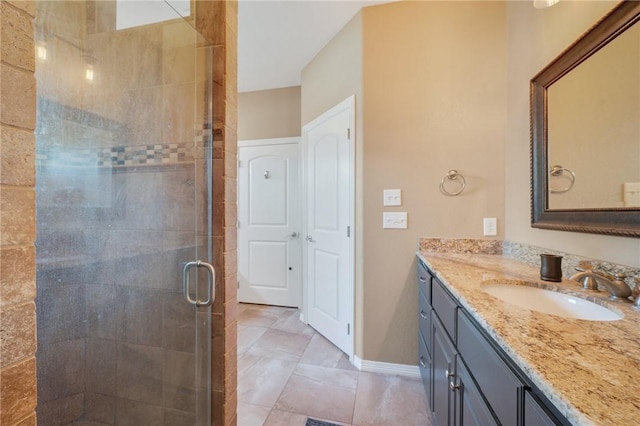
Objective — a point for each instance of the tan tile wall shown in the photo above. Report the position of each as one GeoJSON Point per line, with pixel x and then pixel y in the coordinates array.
{"type": "Point", "coordinates": [17, 214]}
{"type": "Point", "coordinates": [217, 22]}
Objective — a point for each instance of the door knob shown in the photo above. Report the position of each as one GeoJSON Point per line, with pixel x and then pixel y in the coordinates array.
{"type": "Point", "coordinates": [310, 239]}
{"type": "Point", "coordinates": [293, 235]}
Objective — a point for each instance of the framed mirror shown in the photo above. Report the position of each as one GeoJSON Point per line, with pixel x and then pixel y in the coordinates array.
{"type": "Point", "coordinates": [585, 131]}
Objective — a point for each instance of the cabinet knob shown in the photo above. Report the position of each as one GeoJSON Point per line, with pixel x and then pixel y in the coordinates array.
{"type": "Point", "coordinates": [448, 374]}
{"type": "Point", "coordinates": [454, 386]}
{"type": "Point", "coordinates": [423, 315]}
{"type": "Point", "coordinates": [422, 364]}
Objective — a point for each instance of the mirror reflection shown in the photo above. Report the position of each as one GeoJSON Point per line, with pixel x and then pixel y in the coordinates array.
{"type": "Point", "coordinates": [594, 130]}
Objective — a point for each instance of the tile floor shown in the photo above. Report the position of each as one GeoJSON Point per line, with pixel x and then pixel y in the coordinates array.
{"type": "Point", "coordinates": [288, 372]}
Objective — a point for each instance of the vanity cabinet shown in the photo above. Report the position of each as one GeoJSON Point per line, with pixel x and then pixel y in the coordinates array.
{"type": "Point", "coordinates": [469, 380]}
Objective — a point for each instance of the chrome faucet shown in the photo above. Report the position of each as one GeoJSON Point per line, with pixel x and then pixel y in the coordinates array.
{"type": "Point", "coordinates": [590, 281]}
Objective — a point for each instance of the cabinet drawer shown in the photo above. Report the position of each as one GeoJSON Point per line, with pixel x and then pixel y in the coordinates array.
{"type": "Point", "coordinates": [424, 320]}
{"type": "Point", "coordinates": [424, 281]}
{"type": "Point", "coordinates": [499, 384]}
{"type": "Point", "coordinates": [445, 307]}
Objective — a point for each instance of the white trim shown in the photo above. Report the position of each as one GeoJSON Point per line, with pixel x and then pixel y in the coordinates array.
{"type": "Point", "coordinates": [271, 141]}
{"type": "Point", "coordinates": [347, 104]}
{"type": "Point", "coordinates": [386, 368]}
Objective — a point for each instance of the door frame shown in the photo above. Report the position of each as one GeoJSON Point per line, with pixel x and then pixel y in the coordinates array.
{"type": "Point", "coordinates": [294, 140]}
{"type": "Point", "coordinates": [350, 105]}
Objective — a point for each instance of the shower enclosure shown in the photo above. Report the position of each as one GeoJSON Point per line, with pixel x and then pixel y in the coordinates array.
{"type": "Point", "coordinates": [123, 151]}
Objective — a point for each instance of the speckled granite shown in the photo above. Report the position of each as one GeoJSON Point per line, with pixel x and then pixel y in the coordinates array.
{"type": "Point", "coordinates": [531, 255]}
{"type": "Point", "coordinates": [589, 370]}
{"type": "Point", "coordinates": [461, 245]}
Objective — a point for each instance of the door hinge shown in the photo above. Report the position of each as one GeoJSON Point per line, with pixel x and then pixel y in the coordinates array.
{"type": "Point", "coordinates": [239, 163]}
{"type": "Point", "coordinates": [238, 224]}
{"type": "Point", "coordinates": [348, 133]}
{"type": "Point", "coordinates": [238, 284]}
{"type": "Point", "coordinates": [348, 329]}
{"type": "Point", "coordinates": [348, 231]}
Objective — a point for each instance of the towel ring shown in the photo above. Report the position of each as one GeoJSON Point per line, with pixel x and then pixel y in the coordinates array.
{"type": "Point", "coordinates": [557, 171]}
{"type": "Point", "coordinates": [452, 175]}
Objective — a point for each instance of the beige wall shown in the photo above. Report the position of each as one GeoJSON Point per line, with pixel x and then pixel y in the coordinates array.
{"type": "Point", "coordinates": [433, 98]}
{"type": "Point", "coordinates": [17, 215]}
{"type": "Point", "coordinates": [535, 37]}
{"type": "Point", "coordinates": [266, 114]}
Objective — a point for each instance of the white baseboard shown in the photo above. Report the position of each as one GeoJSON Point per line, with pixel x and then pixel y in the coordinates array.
{"type": "Point", "coordinates": [386, 367]}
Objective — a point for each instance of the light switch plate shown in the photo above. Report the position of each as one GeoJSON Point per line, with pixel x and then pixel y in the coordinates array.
{"type": "Point", "coordinates": [394, 220]}
{"type": "Point", "coordinates": [392, 197]}
{"type": "Point", "coordinates": [490, 226]}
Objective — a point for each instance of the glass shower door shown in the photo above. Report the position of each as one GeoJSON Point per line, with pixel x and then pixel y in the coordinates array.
{"type": "Point", "coordinates": [123, 145]}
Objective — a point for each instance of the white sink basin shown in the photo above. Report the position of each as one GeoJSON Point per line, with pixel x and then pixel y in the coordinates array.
{"type": "Point", "coordinates": [550, 302]}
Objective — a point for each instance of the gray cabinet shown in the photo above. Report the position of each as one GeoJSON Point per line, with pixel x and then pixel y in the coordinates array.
{"type": "Point", "coordinates": [444, 364]}
{"type": "Point", "coordinates": [535, 413]}
{"type": "Point", "coordinates": [469, 380]}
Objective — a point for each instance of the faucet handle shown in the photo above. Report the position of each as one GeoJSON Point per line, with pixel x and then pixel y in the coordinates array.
{"type": "Point", "coordinates": [588, 282]}
{"type": "Point", "coordinates": [635, 293]}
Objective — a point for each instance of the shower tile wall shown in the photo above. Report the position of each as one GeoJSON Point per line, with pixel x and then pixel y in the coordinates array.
{"type": "Point", "coordinates": [17, 215]}
{"type": "Point", "coordinates": [116, 222]}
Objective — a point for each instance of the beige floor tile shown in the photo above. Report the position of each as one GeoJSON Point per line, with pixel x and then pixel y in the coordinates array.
{"type": "Point", "coordinates": [260, 316]}
{"type": "Point", "coordinates": [345, 364]}
{"type": "Point", "coordinates": [252, 415]}
{"type": "Point", "coordinates": [320, 392]}
{"type": "Point", "coordinates": [284, 418]}
{"type": "Point", "coordinates": [321, 352]}
{"type": "Point", "coordinates": [246, 361]}
{"type": "Point", "coordinates": [280, 344]}
{"type": "Point", "coordinates": [263, 382]}
{"type": "Point", "coordinates": [290, 322]}
{"type": "Point", "coordinates": [282, 367]}
{"type": "Point", "coordinates": [248, 335]}
{"type": "Point", "coordinates": [390, 400]}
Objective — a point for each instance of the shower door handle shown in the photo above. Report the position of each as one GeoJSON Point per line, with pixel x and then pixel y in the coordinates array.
{"type": "Point", "coordinates": [211, 280]}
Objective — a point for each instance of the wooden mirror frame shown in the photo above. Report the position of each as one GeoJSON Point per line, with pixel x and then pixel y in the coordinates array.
{"type": "Point", "coordinates": [611, 221]}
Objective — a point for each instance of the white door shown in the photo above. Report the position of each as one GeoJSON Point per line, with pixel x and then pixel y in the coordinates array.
{"type": "Point", "coordinates": [329, 224]}
{"type": "Point", "coordinates": [269, 258]}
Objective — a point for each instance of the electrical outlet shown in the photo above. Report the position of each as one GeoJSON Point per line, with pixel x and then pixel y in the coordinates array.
{"type": "Point", "coordinates": [392, 197]}
{"type": "Point", "coordinates": [490, 226]}
{"type": "Point", "coordinates": [631, 194]}
{"type": "Point", "coordinates": [394, 220]}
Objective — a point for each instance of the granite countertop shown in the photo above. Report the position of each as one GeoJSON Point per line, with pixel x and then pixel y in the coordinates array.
{"type": "Point", "coordinates": [590, 370]}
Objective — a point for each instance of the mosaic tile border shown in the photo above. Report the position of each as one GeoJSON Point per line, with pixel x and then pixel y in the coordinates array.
{"type": "Point", "coordinates": [128, 155]}
{"type": "Point", "coordinates": [119, 156]}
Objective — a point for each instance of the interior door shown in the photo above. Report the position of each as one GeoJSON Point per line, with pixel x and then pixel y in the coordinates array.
{"type": "Point", "coordinates": [269, 258]}
{"type": "Point", "coordinates": [329, 209]}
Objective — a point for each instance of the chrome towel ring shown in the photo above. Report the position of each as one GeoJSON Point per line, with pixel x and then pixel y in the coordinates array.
{"type": "Point", "coordinates": [557, 171]}
{"type": "Point", "coordinates": [453, 175]}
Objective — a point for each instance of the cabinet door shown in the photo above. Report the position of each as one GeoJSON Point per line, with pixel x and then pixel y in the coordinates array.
{"type": "Point", "coordinates": [443, 361]}
{"type": "Point", "coordinates": [426, 369]}
{"type": "Point", "coordinates": [534, 414]}
{"type": "Point", "coordinates": [471, 410]}
{"type": "Point", "coordinates": [499, 384]}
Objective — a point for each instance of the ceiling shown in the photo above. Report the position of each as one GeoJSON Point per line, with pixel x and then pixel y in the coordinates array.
{"type": "Point", "coordinates": [277, 39]}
